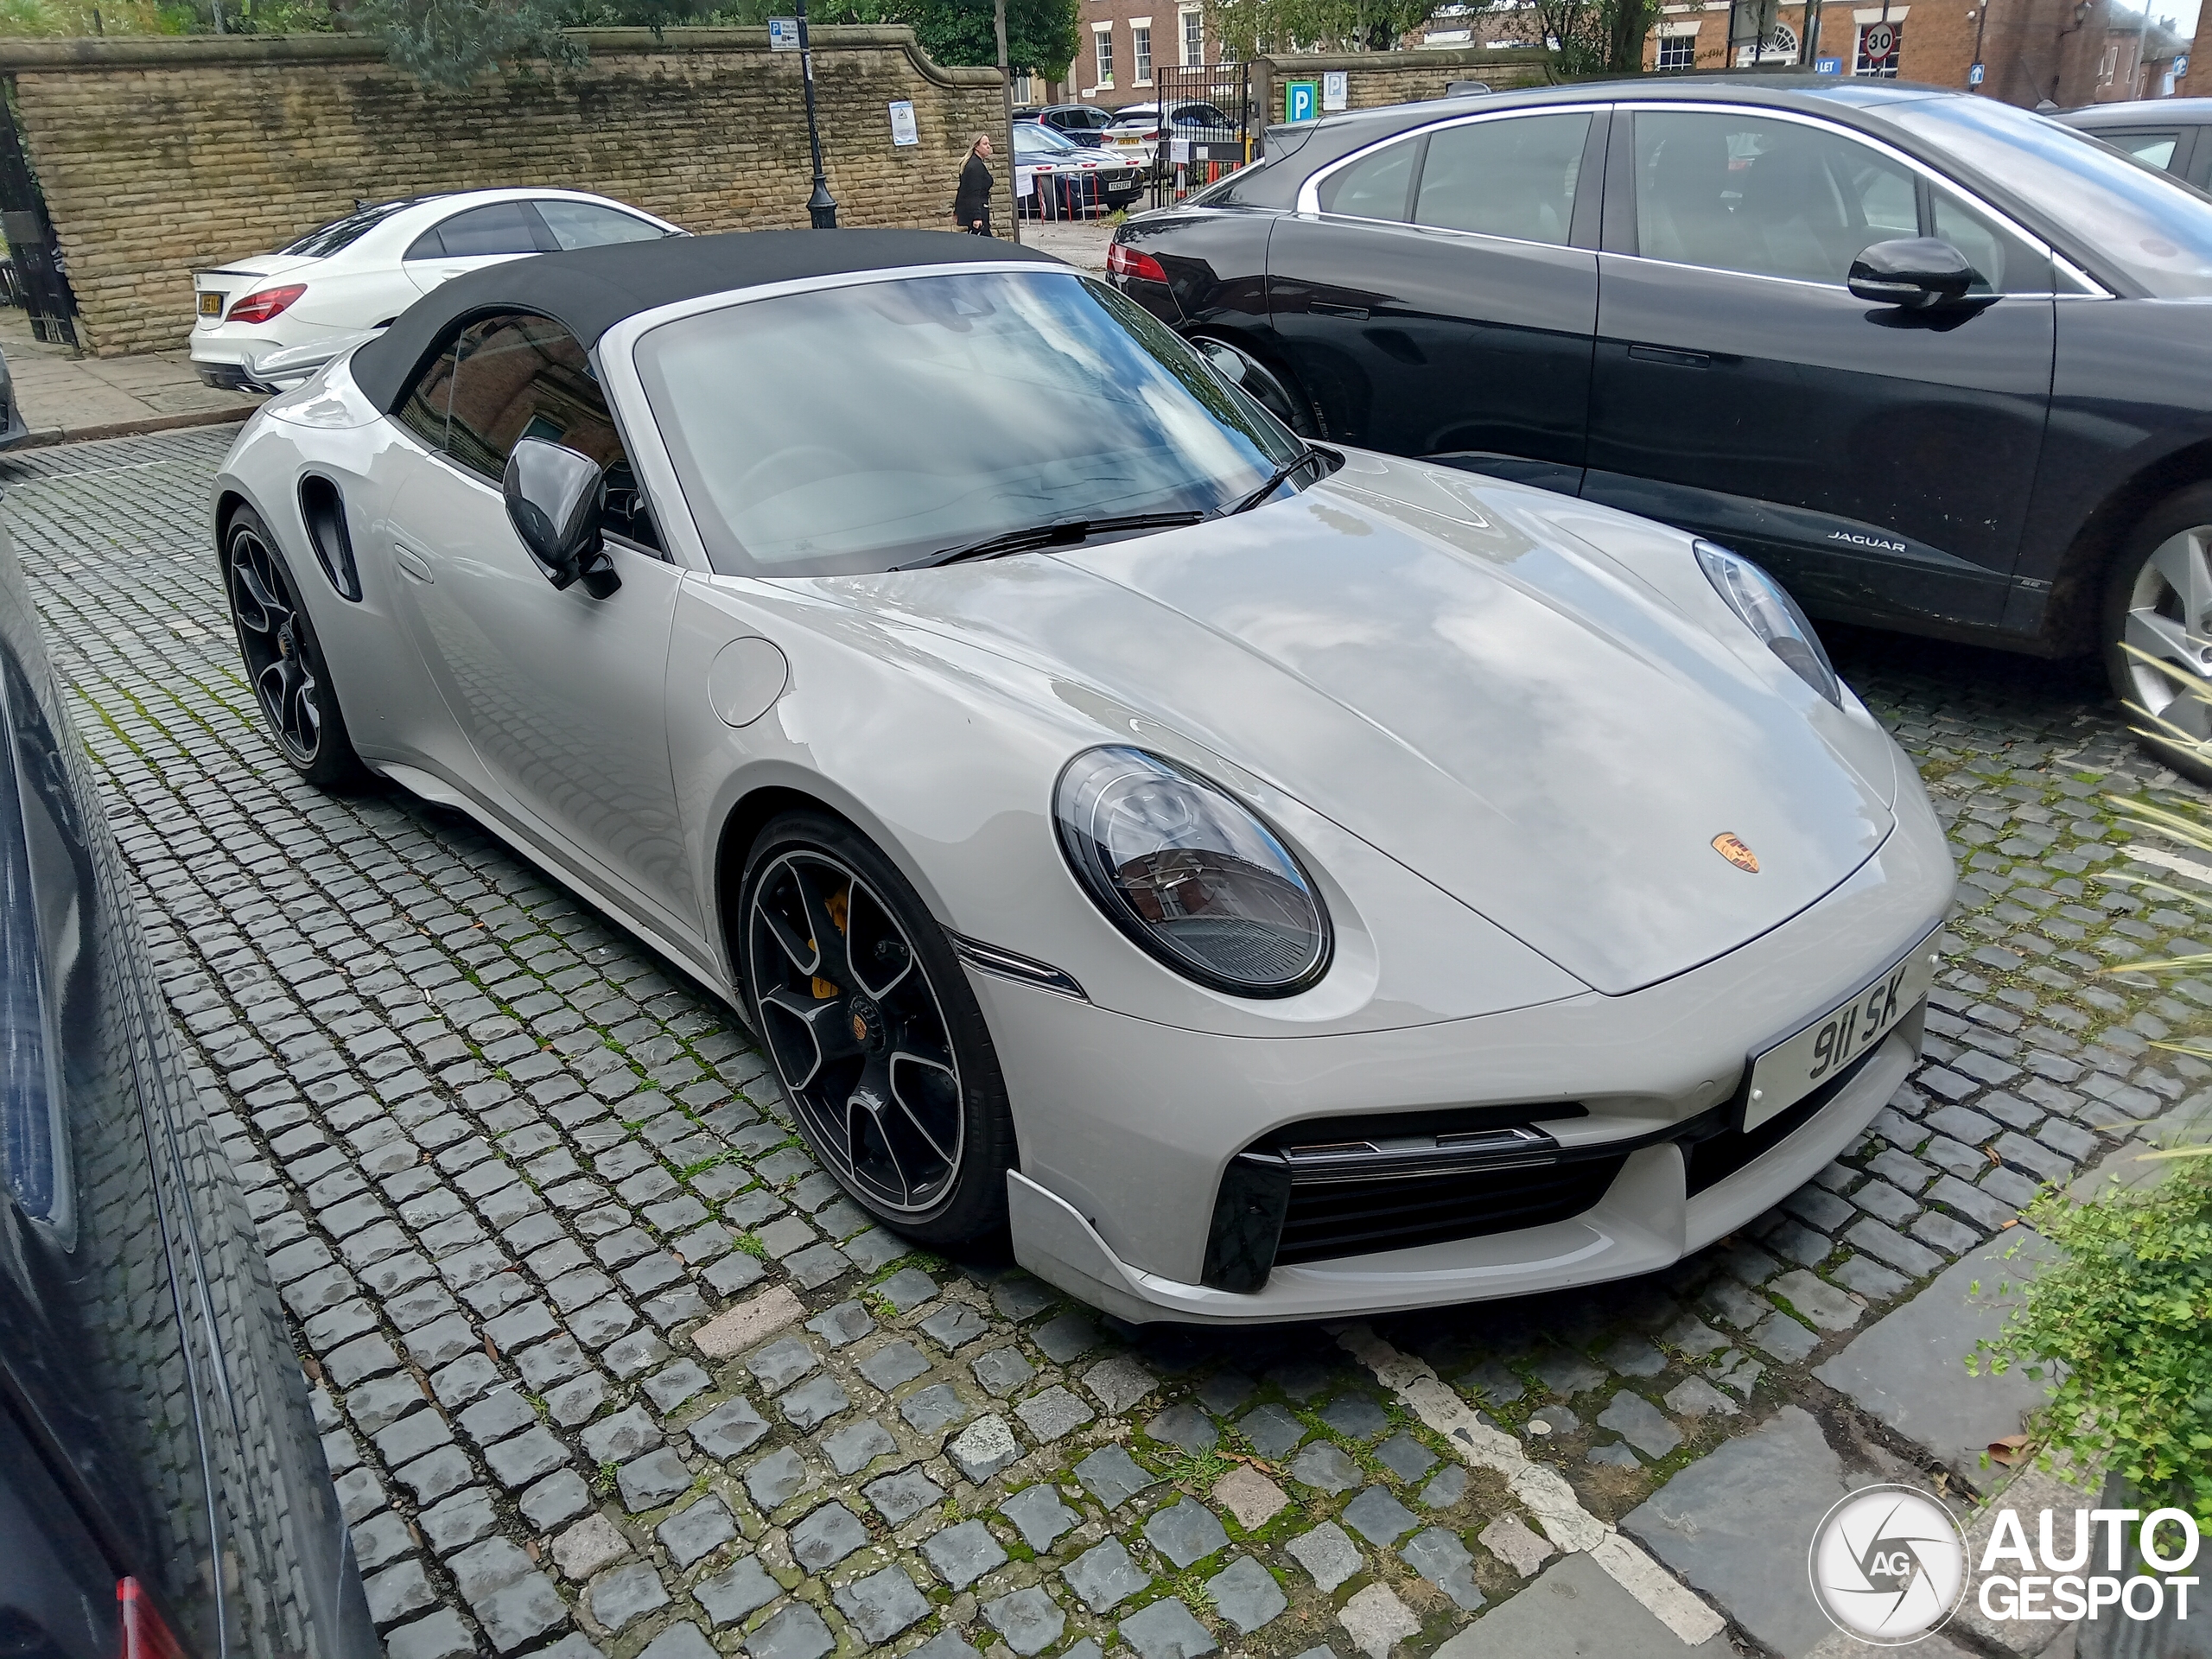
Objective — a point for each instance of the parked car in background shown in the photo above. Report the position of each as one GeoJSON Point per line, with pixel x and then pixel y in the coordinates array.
{"type": "Point", "coordinates": [162, 1490]}
{"type": "Point", "coordinates": [1937, 362]}
{"type": "Point", "coordinates": [1273, 882]}
{"type": "Point", "coordinates": [1071, 179]}
{"type": "Point", "coordinates": [362, 271]}
{"type": "Point", "coordinates": [2173, 134]}
{"type": "Point", "coordinates": [1082, 122]}
{"type": "Point", "coordinates": [1138, 129]}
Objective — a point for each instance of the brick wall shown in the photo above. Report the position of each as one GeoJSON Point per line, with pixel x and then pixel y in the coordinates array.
{"type": "Point", "coordinates": [1378, 78]}
{"type": "Point", "coordinates": [159, 156]}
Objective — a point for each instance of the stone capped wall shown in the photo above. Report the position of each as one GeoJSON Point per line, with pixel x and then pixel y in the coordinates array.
{"type": "Point", "coordinates": [1379, 78]}
{"type": "Point", "coordinates": [158, 156]}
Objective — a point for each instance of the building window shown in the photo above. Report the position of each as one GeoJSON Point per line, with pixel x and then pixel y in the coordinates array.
{"type": "Point", "coordinates": [1678, 52]}
{"type": "Point", "coordinates": [1140, 54]}
{"type": "Point", "coordinates": [1104, 38]}
{"type": "Point", "coordinates": [1194, 39]}
{"type": "Point", "coordinates": [1879, 43]}
{"type": "Point", "coordinates": [1023, 91]}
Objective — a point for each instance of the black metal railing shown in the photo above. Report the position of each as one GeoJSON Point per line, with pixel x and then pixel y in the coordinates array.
{"type": "Point", "coordinates": [1207, 127]}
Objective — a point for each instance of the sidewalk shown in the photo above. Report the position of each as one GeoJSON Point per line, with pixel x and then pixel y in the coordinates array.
{"type": "Point", "coordinates": [67, 396]}
{"type": "Point", "coordinates": [1082, 242]}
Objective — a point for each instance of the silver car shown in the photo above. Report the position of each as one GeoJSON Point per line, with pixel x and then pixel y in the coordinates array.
{"type": "Point", "coordinates": [1275, 882]}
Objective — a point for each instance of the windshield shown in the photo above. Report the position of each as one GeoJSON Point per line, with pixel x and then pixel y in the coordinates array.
{"type": "Point", "coordinates": [2159, 231]}
{"type": "Point", "coordinates": [1042, 139]}
{"type": "Point", "coordinates": [326, 239]}
{"type": "Point", "coordinates": [858, 428]}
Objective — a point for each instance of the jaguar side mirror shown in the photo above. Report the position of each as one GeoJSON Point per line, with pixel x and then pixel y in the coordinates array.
{"type": "Point", "coordinates": [1913, 271]}
{"type": "Point", "coordinates": [555, 500]}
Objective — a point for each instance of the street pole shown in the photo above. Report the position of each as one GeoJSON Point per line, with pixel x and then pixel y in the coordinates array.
{"type": "Point", "coordinates": [1005, 87]}
{"type": "Point", "coordinates": [1981, 28]}
{"type": "Point", "coordinates": [821, 207]}
{"type": "Point", "coordinates": [1809, 51]}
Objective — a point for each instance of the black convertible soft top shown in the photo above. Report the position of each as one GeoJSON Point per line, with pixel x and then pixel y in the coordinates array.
{"type": "Point", "coordinates": [591, 290]}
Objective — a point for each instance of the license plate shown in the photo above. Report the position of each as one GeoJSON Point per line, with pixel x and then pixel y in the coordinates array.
{"type": "Point", "coordinates": [211, 305]}
{"type": "Point", "coordinates": [1794, 1067]}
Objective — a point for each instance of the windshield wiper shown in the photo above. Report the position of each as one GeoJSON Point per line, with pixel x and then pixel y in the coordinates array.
{"type": "Point", "coordinates": [1282, 475]}
{"type": "Point", "coordinates": [1066, 532]}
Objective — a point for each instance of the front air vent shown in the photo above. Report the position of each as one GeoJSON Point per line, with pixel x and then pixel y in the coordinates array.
{"type": "Point", "coordinates": [324, 508]}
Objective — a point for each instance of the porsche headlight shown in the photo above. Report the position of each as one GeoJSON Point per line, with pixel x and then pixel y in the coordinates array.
{"type": "Point", "coordinates": [1772, 614]}
{"type": "Point", "coordinates": [1189, 874]}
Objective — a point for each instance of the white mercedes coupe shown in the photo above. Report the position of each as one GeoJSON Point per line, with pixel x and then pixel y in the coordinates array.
{"type": "Point", "coordinates": [1273, 882]}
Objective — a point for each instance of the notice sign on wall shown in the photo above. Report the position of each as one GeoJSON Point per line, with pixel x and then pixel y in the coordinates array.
{"type": "Point", "coordinates": [1335, 91]}
{"type": "Point", "coordinates": [903, 129]}
{"type": "Point", "coordinates": [782, 33]}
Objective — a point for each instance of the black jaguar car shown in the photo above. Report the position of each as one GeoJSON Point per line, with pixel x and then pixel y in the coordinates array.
{"type": "Point", "coordinates": [162, 1492]}
{"type": "Point", "coordinates": [1942, 365]}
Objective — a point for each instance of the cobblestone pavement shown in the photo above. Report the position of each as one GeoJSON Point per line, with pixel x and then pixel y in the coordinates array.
{"type": "Point", "coordinates": [606, 1364]}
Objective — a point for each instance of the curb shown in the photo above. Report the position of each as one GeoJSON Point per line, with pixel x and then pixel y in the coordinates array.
{"type": "Point", "coordinates": [48, 437]}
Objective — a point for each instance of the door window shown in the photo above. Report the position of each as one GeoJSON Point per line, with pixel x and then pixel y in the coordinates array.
{"type": "Point", "coordinates": [497, 227]}
{"type": "Point", "coordinates": [525, 377]}
{"type": "Point", "coordinates": [1374, 186]}
{"type": "Point", "coordinates": [424, 409]}
{"type": "Point", "coordinates": [2152, 149]}
{"type": "Point", "coordinates": [1741, 192]}
{"type": "Point", "coordinates": [588, 224]}
{"type": "Point", "coordinates": [1504, 178]}
{"type": "Point", "coordinates": [2005, 263]}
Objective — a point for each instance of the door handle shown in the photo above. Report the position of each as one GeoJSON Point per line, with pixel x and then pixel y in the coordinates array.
{"type": "Point", "coordinates": [1325, 308]}
{"type": "Point", "coordinates": [411, 563]}
{"type": "Point", "coordinates": [1668, 354]}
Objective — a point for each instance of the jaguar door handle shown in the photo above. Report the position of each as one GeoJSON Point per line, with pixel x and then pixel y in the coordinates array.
{"type": "Point", "coordinates": [1328, 308]}
{"type": "Point", "coordinates": [1668, 354]}
{"type": "Point", "coordinates": [411, 563]}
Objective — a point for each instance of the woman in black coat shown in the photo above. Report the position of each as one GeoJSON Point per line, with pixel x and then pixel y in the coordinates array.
{"type": "Point", "coordinates": [971, 203]}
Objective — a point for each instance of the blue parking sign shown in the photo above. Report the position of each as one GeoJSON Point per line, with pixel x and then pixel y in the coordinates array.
{"type": "Point", "coordinates": [1302, 100]}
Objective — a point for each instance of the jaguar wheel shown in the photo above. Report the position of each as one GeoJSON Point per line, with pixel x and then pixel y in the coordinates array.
{"type": "Point", "coordinates": [2158, 631]}
{"type": "Point", "coordinates": [875, 1032]}
{"type": "Point", "coordinates": [283, 660]}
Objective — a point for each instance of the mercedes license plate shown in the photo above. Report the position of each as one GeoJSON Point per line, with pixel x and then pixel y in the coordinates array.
{"type": "Point", "coordinates": [1795, 1066]}
{"type": "Point", "coordinates": [210, 304]}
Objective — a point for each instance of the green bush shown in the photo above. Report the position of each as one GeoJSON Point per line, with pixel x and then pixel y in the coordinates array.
{"type": "Point", "coordinates": [2122, 1323]}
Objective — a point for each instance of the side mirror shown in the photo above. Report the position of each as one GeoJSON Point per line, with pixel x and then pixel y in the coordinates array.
{"type": "Point", "coordinates": [1914, 271]}
{"type": "Point", "coordinates": [556, 500]}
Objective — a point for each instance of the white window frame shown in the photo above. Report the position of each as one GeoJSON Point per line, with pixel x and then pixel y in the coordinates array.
{"type": "Point", "coordinates": [1190, 37]}
{"type": "Point", "coordinates": [1101, 55]}
{"type": "Point", "coordinates": [1140, 51]}
{"type": "Point", "coordinates": [1669, 34]}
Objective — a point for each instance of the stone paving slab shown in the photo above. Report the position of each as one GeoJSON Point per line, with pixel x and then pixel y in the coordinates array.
{"type": "Point", "coordinates": [1905, 1370]}
{"type": "Point", "coordinates": [583, 1318]}
{"type": "Point", "coordinates": [1575, 1611]}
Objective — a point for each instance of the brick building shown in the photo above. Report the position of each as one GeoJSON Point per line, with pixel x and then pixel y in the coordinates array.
{"type": "Point", "coordinates": [2064, 51]}
{"type": "Point", "coordinates": [1123, 42]}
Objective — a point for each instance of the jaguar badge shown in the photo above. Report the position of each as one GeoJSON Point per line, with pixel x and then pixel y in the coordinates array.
{"type": "Point", "coordinates": [1731, 847]}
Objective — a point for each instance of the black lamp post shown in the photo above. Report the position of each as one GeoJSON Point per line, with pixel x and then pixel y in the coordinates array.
{"type": "Point", "coordinates": [821, 207]}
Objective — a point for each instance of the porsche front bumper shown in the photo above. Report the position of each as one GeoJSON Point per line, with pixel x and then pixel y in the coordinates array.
{"type": "Point", "coordinates": [1127, 1127]}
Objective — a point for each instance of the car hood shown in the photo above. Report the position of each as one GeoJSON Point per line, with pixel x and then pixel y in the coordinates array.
{"type": "Point", "coordinates": [1486, 699]}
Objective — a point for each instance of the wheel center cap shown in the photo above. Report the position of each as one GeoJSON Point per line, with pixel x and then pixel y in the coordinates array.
{"type": "Point", "coordinates": [868, 1024]}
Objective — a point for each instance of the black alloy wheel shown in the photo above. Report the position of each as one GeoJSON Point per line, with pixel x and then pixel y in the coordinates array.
{"type": "Point", "coordinates": [283, 659]}
{"type": "Point", "coordinates": [875, 1032]}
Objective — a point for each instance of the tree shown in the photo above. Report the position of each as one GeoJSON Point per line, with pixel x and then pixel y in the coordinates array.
{"type": "Point", "coordinates": [1041, 35]}
{"type": "Point", "coordinates": [447, 43]}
